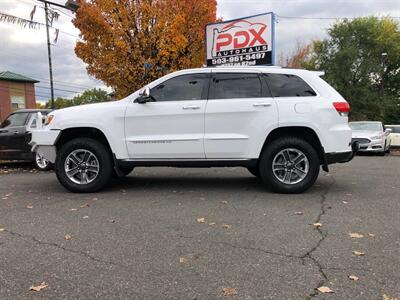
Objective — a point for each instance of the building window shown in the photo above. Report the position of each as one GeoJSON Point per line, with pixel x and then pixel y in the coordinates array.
{"type": "Point", "coordinates": [17, 96]}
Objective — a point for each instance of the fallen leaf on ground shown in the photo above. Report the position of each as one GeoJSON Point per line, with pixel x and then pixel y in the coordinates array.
{"type": "Point", "coordinates": [201, 220]}
{"type": "Point", "coordinates": [2, 229]}
{"type": "Point", "coordinates": [324, 289]}
{"type": "Point", "coordinates": [212, 223]}
{"type": "Point", "coordinates": [353, 277]}
{"type": "Point", "coordinates": [358, 253]}
{"type": "Point", "coordinates": [85, 205]}
{"type": "Point", "coordinates": [112, 221]}
{"type": "Point", "coordinates": [39, 287]}
{"type": "Point", "coordinates": [73, 209]}
{"type": "Point", "coordinates": [94, 199]}
{"type": "Point", "coordinates": [371, 234]}
{"type": "Point", "coordinates": [29, 206]}
{"type": "Point", "coordinates": [182, 259]}
{"type": "Point", "coordinates": [345, 202]}
{"type": "Point", "coordinates": [67, 237]}
{"type": "Point", "coordinates": [227, 226]}
{"type": "Point", "coordinates": [299, 213]}
{"type": "Point", "coordinates": [224, 202]}
{"type": "Point", "coordinates": [8, 195]}
{"type": "Point", "coordinates": [4, 198]}
{"type": "Point", "coordinates": [386, 297]}
{"type": "Point", "coordinates": [85, 217]}
{"type": "Point", "coordinates": [317, 225]}
{"type": "Point", "coordinates": [356, 235]}
{"type": "Point", "coordinates": [229, 291]}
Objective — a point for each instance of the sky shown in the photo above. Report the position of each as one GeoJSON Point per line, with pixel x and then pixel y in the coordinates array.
{"type": "Point", "coordinates": [24, 50]}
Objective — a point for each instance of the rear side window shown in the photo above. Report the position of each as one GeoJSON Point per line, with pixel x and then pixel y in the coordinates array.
{"type": "Point", "coordinates": [235, 85]}
{"type": "Point", "coordinates": [287, 85]}
{"type": "Point", "coordinates": [184, 87]}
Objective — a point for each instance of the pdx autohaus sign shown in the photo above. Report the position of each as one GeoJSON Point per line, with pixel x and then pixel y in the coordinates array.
{"type": "Point", "coordinates": [247, 41]}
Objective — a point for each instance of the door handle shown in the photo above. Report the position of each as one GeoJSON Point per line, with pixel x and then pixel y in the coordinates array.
{"type": "Point", "coordinates": [15, 131]}
{"type": "Point", "coordinates": [190, 107]}
{"type": "Point", "coordinates": [3, 131]}
{"type": "Point", "coordinates": [262, 104]}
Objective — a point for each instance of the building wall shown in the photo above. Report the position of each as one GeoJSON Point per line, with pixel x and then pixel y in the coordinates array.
{"type": "Point", "coordinates": [4, 100]}
{"type": "Point", "coordinates": [7, 88]}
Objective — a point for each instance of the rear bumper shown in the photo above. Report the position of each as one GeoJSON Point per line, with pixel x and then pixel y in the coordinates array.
{"type": "Point", "coordinates": [342, 157]}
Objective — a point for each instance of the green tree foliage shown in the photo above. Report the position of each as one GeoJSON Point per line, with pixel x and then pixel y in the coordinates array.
{"type": "Point", "coordinates": [87, 97]}
{"type": "Point", "coordinates": [361, 59]}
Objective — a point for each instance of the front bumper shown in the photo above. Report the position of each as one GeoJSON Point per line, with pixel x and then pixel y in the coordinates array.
{"type": "Point", "coordinates": [43, 142]}
{"type": "Point", "coordinates": [368, 145]}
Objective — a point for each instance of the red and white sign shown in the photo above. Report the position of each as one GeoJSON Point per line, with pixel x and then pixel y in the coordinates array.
{"type": "Point", "coordinates": [245, 41]}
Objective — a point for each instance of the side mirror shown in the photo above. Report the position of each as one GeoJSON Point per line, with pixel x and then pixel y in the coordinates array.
{"type": "Point", "coordinates": [388, 130]}
{"type": "Point", "coordinates": [144, 96]}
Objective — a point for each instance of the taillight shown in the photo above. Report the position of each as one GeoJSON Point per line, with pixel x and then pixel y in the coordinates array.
{"type": "Point", "coordinates": [342, 108]}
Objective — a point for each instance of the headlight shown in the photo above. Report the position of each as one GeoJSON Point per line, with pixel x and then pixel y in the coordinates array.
{"type": "Point", "coordinates": [49, 118]}
{"type": "Point", "coordinates": [377, 137]}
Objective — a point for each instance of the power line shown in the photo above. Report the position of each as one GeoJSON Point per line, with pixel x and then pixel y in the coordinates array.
{"type": "Point", "coordinates": [327, 18]}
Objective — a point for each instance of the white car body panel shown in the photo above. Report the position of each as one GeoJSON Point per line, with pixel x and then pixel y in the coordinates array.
{"type": "Point", "coordinates": [395, 135]}
{"type": "Point", "coordinates": [218, 129]}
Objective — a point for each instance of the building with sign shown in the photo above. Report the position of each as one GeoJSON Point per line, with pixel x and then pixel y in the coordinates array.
{"type": "Point", "coordinates": [247, 41]}
{"type": "Point", "coordinates": [16, 92]}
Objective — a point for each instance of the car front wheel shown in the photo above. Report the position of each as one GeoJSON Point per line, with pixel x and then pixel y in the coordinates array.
{"type": "Point", "coordinates": [83, 165]}
{"type": "Point", "coordinates": [289, 165]}
{"type": "Point", "coordinates": [41, 163]}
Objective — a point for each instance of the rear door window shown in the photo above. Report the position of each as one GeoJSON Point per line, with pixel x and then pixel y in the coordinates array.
{"type": "Point", "coordinates": [288, 85]}
{"type": "Point", "coordinates": [236, 85]}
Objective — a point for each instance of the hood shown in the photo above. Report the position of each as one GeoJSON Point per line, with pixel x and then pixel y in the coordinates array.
{"type": "Point", "coordinates": [365, 134]}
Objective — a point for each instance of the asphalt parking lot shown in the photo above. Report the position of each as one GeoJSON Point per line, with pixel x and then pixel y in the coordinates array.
{"type": "Point", "coordinates": [165, 233]}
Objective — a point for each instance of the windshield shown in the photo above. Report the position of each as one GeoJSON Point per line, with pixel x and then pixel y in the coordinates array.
{"type": "Point", "coordinates": [366, 126]}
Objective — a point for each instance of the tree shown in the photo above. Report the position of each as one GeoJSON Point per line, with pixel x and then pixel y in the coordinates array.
{"type": "Point", "coordinates": [299, 57]}
{"type": "Point", "coordinates": [129, 43]}
{"type": "Point", "coordinates": [89, 96]}
{"type": "Point", "coordinates": [361, 59]}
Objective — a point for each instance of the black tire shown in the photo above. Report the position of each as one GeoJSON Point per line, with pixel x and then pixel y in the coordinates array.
{"type": "Point", "coordinates": [101, 153]}
{"type": "Point", "coordinates": [388, 149]}
{"type": "Point", "coordinates": [124, 170]}
{"type": "Point", "coordinates": [383, 152]}
{"type": "Point", "coordinates": [272, 150]}
{"type": "Point", "coordinates": [255, 171]}
{"type": "Point", "coordinates": [42, 166]}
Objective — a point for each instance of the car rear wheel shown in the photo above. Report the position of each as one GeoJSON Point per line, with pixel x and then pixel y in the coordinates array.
{"type": "Point", "coordinates": [83, 165]}
{"type": "Point", "coordinates": [289, 165]}
{"type": "Point", "coordinates": [41, 163]}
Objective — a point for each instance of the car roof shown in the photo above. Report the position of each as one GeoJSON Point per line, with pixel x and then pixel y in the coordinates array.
{"type": "Point", "coordinates": [270, 69]}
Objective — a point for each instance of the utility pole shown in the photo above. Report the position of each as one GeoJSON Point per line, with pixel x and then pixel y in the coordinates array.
{"type": "Point", "coordinates": [46, 9]}
{"type": "Point", "coordinates": [70, 5]}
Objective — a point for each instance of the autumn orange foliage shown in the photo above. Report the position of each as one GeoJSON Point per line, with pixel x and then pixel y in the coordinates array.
{"type": "Point", "coordinates": [118, 37]}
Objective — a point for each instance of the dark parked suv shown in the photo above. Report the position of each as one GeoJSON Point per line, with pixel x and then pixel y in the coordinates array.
{"type": "Point", "coordinates": [14, 138]}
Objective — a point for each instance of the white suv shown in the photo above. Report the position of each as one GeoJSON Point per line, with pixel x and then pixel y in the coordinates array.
{"type": "Point", "coordinates": [281, 124]}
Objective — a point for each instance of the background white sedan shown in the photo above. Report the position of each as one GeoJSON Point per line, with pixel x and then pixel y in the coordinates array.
{"type": "Point", "coordinates": [372, 136]}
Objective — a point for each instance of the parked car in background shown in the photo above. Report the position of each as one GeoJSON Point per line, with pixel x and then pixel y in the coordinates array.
{"type": "Point", "coordinates": [394, 135]}
{"type": "Point", "coordinates": [14, 138]}
{"type": "Point", "coordinates": [372, 136]}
